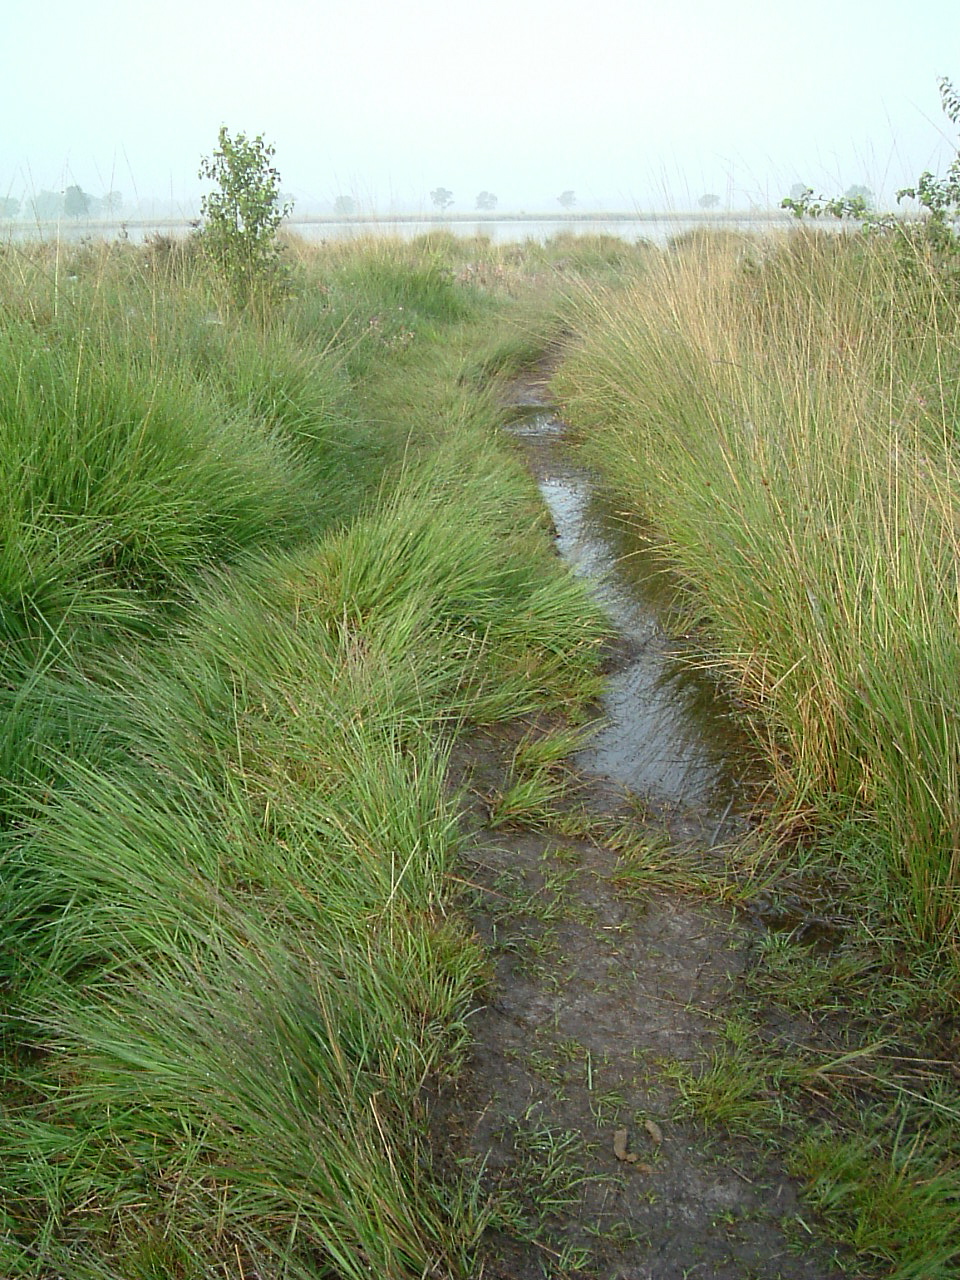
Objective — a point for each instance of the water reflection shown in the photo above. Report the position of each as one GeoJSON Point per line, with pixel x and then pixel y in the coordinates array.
{"type": "Point", "coordinates": [668, 735]}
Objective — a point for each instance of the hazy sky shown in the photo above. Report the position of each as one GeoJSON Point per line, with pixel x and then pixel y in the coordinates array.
{"type": "Point", "coordinates": [628, 102]}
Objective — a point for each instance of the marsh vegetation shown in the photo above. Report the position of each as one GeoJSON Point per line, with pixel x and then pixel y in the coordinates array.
{"type": "Point", "coordinates": [284, 630]}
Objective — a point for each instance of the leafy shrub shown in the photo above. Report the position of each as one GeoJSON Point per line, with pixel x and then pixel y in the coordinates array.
{"type": "Point", "coordinates": [244, 215]}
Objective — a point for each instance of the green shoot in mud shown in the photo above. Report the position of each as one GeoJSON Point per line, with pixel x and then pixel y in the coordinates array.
{"type": "Point", "coordinates": [546, 1184]}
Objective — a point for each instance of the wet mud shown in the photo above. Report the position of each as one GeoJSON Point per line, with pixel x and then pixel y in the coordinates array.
{"type": "Point", "coordinates": [668, 735]}
{"type": "Point", "coordinates": [607, 974]}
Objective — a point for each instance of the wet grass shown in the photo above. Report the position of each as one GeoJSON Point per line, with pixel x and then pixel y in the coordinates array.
{"type": "Point", "coordinates": [260, 578]}
{"type": "Point", "coordinates": [263, 575]}
{"type": "Point", "coordinates": [783, 417]}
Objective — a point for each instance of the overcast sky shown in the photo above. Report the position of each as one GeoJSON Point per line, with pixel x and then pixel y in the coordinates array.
{"type": "Point", "coordinates": [626, 102]}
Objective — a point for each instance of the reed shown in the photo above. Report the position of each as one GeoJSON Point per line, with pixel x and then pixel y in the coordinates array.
{"type": "Point", "coordinates": [784, 414]}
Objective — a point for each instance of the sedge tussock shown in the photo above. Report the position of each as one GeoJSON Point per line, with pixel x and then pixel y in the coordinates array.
{"type": "Point", "coordinates": [782, 415]}
{"type": "Point", "coordinates": [248, 603]}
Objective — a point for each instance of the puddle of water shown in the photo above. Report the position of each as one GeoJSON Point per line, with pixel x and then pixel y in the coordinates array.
{"type": "Point", "coordinates": [668, 735]}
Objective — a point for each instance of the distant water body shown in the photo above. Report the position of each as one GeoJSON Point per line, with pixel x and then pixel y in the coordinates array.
{"type": "Point", "coordinates": [658, 228]}
{"type": "Point", "coordinates": [655, 227]}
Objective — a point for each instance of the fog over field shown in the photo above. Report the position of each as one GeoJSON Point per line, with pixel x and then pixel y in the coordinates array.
{"type": "Point", "coordinates": [622, 104]}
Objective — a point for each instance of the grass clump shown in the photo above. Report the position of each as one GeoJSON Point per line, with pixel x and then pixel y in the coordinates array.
{"type": "Point", "coordinates": [227, 830]}
{"type": "Point", "coordinates": [235, 942]}
{"type": "Point", "coordinates": [901, 1213]}
{"type": "Point", "coordinates": [146, 437]}
{"type": "Point", "coordinates": [120, 484]}
{"type": "Point", "coordinates": [785, 416]}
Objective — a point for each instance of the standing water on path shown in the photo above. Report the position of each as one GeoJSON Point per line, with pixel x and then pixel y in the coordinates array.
{"type": "Point", "coordinates": [611, 984]}
{"type": "Point", "coordinates": [666, 735]}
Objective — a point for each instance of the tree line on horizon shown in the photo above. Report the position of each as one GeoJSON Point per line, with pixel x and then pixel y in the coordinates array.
{"type": "Point", "coordinates": [73, 202]}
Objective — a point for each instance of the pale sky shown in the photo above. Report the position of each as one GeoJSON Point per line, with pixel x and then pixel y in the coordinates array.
{"type": "Point", "coordinates": [627, 102]}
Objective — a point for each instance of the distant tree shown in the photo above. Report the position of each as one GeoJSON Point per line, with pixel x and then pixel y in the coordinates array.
{"type": "Point", "coordinates": [799, 190]}
{"type": "Point", "coordinates": [9, 206]}
{"type": "Point", "coordinates": [76, 202]}
{"type": "Point", "coordinates": [344, 206]}
{"type": "Point", "coordinates": [708, 201]}
{"type": "Point", "coordinates": [45, 206]}
{"type": "Point", "coordinates": [860, 192]}
{"type": "Point", "coordinates": [486, 200]}
{"type": "Point", "coordinates": [567, 199]}
{"type": "Point", "coordinates": [442, 198]}
{"type": "Point", "coordinates": [111, 202]}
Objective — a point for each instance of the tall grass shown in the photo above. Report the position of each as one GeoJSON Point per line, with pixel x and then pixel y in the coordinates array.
{"type": "Point", "coordinates": [785, 415]}
{"type": "Point", "coordinates": [232, 963]}
{"type": "Point", "coordinates": [233, 954]}
{"type": "Point", "coordinates": [127, 465]}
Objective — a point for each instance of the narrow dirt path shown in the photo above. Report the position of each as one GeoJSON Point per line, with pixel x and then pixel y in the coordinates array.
{"type": "Point", "coordinates": [604, 982]}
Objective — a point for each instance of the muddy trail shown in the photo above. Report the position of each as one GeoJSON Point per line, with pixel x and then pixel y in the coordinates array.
{"type": "Point", "coordinates": [610, 971]}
